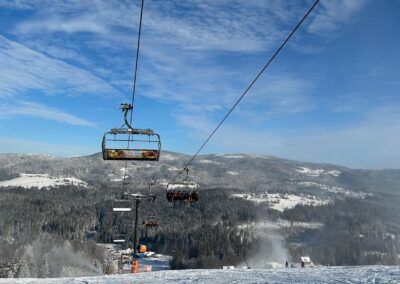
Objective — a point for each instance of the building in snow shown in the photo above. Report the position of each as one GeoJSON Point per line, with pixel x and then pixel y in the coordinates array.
{"type": "Point", "coordinates": [306, 261]}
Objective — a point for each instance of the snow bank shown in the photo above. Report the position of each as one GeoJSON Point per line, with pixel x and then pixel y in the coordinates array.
{"type": "Point", "coordinates": [42, 181]}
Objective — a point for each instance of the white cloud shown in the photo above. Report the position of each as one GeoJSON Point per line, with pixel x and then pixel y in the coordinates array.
{"type": "Point", "coordinates": [181, 46]}
{"type": "Point", "coordinates": [33, 109]}
{"type": "Point", "coordinates": [24, 69]}
{"type": "Point", "coordinates": [333, 13]}
{"type": "Point", "coordinates": [66, 25]}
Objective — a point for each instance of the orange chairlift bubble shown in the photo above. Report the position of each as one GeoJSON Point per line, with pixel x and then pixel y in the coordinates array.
{"type": "Point", "coordinates": [128, 143]}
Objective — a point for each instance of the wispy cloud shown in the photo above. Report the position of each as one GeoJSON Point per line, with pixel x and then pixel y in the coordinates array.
{"type": "Point", "coordinates": [182, 42]}
{"type": "Point", "coordinates": [66, 25]}
{"type": "Point", "coordinates": [37, 110]}
{"type": "Point", "coordinates": [196, 59]}
{"type": "Point", "coordinates": [332, 14]}
{"type": "Point", "coordinates": [24, 69]}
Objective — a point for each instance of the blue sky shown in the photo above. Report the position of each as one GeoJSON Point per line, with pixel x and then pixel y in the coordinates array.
{"type": "Point", "coordinates": [331, 96]}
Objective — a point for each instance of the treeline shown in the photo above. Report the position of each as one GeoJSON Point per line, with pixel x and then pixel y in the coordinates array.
{"type": "Point", "coordinates": [207, 234]}
{"type": "Point", "coordinates": [355, 231]}
{"type": "Point", "coordinates": [66, 211]}
{"type": "Point", "coordinates": [50, 256]}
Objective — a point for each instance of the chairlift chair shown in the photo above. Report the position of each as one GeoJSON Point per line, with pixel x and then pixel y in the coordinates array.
{"type": "Point", "coordinates": [127, 143]}
{"type": "Point", "coordinates": [119, 238]}
{"type": "Point", "coordinates": [151, 222]}
{"type": "Point", "coordinates": [122, 204]}
{"type": "Point", "coordinates": [182, 191]}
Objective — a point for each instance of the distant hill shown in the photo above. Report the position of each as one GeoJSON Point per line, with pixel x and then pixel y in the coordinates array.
{"type": "Point", "coordinates": [251, 209]}
{"type": "Point", "coordinates": [247, 172]}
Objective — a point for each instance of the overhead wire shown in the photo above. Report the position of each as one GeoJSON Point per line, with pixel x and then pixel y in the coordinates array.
{"type": "Point", "coordinates": [247, 89]}
{"type": "Point", "coordinates": [134, 82]}
{"type": "Point", "coordinates": [137, 59]}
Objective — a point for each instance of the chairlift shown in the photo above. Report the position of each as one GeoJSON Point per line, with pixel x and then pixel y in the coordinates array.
{"type": "Point", "coordinates": [183, 191]}
{"type": "Point", "coordinates": [122, 204]}
{"type": "Point", "coordinates": [119, 238]}
{"type": "Point", "coordinates": [151, 222]}
{"type": "Point", "coordinates": [127, 143]}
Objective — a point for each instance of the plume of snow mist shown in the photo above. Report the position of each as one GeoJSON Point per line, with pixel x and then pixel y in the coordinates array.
{"type": "Point", "coordinates": [270, 251]}
{"type": "Point", "coordinates": [46, 257]}
{"type": "Point", "coordinates": [65, 262]}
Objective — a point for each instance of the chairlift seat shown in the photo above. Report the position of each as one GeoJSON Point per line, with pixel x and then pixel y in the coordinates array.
{"type": "Point", "coordinates": [120, 238]}
{"type": "Point", "coordinates": [151, 222]}
{"type": "Point", "coordinates": [127, 144]}
{"type": "Point", "coordinates": [182, 191]}
{"type": "Point", "coordinates": [122, 206]}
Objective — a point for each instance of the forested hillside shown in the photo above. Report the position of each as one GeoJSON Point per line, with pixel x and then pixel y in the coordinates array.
{"type": "Point", "coordinates": [251, 210]}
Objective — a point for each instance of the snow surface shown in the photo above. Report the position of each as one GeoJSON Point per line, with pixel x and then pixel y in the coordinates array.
{"type": "Point", "coordinates": [280, 223]}
{"type": "Point", "coordinates": [342, 274]}
{"type": "Point", "coordinates": [335, 189]}
{"type": "Point", "coordinates": [42, 181]}
{"type": "Point", "coordinates": [205, 161]}
{"type": "Point", "coordinates": [233, 156]}
{"type": "Point", "coordinates": [283, 201]}
{"type": "Point", "coordinates": [173, 169]}
{"type": "Point", "coordinates": [317, 172]}
{"type": "Point", "coordinates": [168, 157]}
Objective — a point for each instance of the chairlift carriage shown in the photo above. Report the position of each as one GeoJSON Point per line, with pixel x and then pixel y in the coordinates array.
{"type": "Point", "coordinates": [183, 191]}
{"type": "Point", "coordinates": [119, 238]}
{"type": "Point", "coordinates": [127, 143]}
{"type": "Point", "coordinates": [122, 204]}
{"type": "Point", "coordinates": [151, 222]}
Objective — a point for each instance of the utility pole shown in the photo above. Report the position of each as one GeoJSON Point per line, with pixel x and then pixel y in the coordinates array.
{"type": "Point", "coordinates": [135, 261]}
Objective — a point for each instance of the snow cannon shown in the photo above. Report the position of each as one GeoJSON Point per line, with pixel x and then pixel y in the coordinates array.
{"type": "Point", "coordinates": [141, 248]}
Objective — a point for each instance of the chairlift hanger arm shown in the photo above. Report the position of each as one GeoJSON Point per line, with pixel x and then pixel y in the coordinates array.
{"type": "Point", "coordinates": [126, 107]}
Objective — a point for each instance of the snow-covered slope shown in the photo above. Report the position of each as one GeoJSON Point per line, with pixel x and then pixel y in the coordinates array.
{"type": "Point", "coordinates": [238, 171]}
{"type": "Point", "coordinates": [281, 202]}
{"type": "Point", "coordinates": [41, 181]}
{"type": "Point", "coordinates": [344, 274]}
